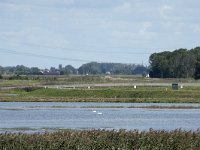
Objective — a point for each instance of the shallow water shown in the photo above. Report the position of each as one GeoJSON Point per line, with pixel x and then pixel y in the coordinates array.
{"type": "Point", "coordinates": [41, 116]}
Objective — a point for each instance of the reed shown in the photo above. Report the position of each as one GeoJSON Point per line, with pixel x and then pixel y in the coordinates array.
{"type": "Point", "coordinates": [102, 139]}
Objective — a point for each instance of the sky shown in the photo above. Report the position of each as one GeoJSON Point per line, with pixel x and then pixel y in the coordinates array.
{"type": "Point", "coordinates": [45, 33]}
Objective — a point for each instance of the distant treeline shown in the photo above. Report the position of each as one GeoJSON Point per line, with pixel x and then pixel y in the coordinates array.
{"type": "Point", "coordinates": [181, 63]}
{"type": "Point", "coordinates": [92, 68]}
{"type": "Point", "coordinates": [112, 68]}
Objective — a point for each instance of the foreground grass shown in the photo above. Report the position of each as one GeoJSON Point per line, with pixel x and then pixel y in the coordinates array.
{"type": "Point", "coordinates": [116, 94]}
{"type": "Point", "coordinates": [102, 139]}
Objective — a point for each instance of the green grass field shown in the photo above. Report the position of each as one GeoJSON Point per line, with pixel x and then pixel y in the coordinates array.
{"type": "Point", "coordinates": [161, 94]}
{"type": "Point", "coordinates": [92, 79]}
{"type": "Point", "coordinates": [106, 94]}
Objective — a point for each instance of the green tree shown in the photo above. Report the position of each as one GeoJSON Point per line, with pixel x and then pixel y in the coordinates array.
{"type": "Point", "coordinates": [22, 70]}
{"type": "Point", "coordinates": [102, 68]}
{"type": "Point", "coordinates": [159, 65]}
{"type": "Point", "coordinates": [1, 70]}
{"type": "Point", "coordinates": [197, 70]}
{"type": "Point", "coordinates": [178, 64]}
{"type": "Point", "coordinates": [68, 70]}
{"type": "Point", "coordinates": [35, 71]}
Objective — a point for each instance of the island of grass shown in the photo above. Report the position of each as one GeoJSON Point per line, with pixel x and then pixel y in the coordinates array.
{"type": "Point", "coordinates": [103, 94]}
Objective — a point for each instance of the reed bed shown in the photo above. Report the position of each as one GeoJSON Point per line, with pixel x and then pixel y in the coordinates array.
{"type": "Point", "coordinates": [102, 139]}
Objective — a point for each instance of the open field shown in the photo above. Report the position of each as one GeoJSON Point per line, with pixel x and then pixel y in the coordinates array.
{"type": "Point", "coordinates": [104, 94]}
{"type": "Point", "coordinates": [102, 139]}
{"type": "Point", "coordinates": [76, 79]}
{"type": "Point", "coordinates": [98, 89]}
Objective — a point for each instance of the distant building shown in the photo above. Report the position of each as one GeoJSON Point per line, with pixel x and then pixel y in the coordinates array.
{"type": "Point", "coordinates": [108, 73]}
{"type": "Point", "coordinates": [49, 72]}
{"type": "Point", "coordinates": [60, 67]}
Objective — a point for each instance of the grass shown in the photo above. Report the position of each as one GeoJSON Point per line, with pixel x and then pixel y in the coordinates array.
{"type": "Point", "coordinates": [117, 94]}
{"type": "Point", "coordinates": [166, 107]}
{"type": "Point", "coordinates": [102, 139]}
{"type": "Point", "coordinates": [7, 83]}
{"type": "Point", "coordinates": [81, 79]}
{"type": "Point", "coordinates": [97, 94]}
{"type": "Point", "coordinates": [59, 80]}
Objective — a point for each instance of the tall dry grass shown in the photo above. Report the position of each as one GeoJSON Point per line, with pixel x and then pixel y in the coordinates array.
{"type": "Point", "coordinates": [103, 139]}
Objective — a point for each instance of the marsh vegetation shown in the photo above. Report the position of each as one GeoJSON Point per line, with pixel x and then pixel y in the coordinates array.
{"type": "Point", "coordinates": [32, 89]}
{"type": "Point", "coordinates": [106, 94]}
{"type": "Point", "coordinates": [102, 139]}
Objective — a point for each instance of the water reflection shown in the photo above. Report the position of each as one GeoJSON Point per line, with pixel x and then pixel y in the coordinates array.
{"type": "Point", "coordinates": [39, 116]}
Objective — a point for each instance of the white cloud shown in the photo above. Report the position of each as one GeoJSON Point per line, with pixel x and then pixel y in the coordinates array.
{"type": "Point", "coordinates": [195, 28]}
{"type": "Point", "coordinates": [165, 11]}
{"type": "Point", "coordinates": [145, 27]}
{"type": "Point", "coordinates": [126, 7]}
{"type": "Point", "coordinates": [115, 23]}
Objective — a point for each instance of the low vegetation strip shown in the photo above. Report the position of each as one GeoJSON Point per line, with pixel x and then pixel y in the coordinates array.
{"type": "Point", "coordinates": [102, 139]}
{"type": "Point", "coordinates": [117, 94]}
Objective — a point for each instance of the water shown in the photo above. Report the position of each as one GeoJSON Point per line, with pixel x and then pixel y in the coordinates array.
{"type": "Point", "coordinates": [36, 116]}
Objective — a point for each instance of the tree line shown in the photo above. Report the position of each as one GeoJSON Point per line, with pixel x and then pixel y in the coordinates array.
{"type": "Point", "coordinates": [23, 70]}
{"type": "Point", "coordinates": [112, 68]}
{"type": "Point", "coordinates": [180, 63]}
{"type": "Point", "coordinates": [92, 68]}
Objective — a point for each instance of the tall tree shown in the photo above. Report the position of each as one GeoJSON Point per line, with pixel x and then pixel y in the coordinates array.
{"type": "Point", "coordinates": [197, 70]}
{"type": "Point", "coordinates": [178, 64]}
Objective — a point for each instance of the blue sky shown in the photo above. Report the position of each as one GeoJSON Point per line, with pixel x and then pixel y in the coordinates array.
{"type": "Point", "coordinates": [46, 33]}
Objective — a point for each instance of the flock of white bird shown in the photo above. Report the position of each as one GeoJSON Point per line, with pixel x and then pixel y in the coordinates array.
{"type": "Point", "coordinates": [99, 113]}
